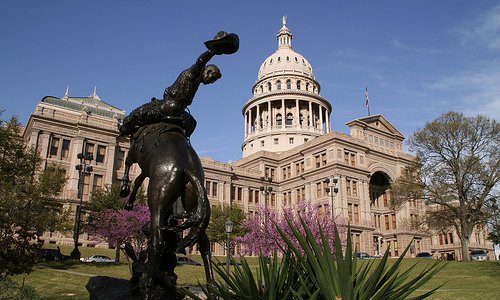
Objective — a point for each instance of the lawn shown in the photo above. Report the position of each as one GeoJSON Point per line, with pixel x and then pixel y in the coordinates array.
{"type": "Point", "coordinates": [66, 280]}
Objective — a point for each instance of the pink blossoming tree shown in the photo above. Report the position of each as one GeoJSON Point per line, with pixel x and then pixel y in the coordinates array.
{"type": "Point", "coordinates": [119, 226]}
{"type": "Point", "coordinates": [263, 237]}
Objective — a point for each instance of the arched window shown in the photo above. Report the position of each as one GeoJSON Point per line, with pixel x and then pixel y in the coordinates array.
{"type": "Point", "coordinates": [289, 120]}
{"type": "Point", "coordinates": [301, 119]}
{"type": "Point", "coordinates": [278, 85]}
{"type": "Point", "coordinates": [279, 120]}
{"type": "Point", "coordinates": [298, 84]}
{"type": "Point", "coordinates": [261, 88]}
{"type": "Point", "coordinates": [279, 59]}
{"type": "Point", "coordinates": [307, 86]}
{"type": "Point", "coordinates": [288, 84]}
{"type": "Point", "coordinates": [268, 86]}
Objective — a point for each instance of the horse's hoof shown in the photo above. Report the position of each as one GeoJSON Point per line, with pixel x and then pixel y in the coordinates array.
{"type": "Point", "coordinates": [125, 191]}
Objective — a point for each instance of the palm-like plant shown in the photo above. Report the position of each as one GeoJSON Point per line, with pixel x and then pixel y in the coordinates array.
{"type": "Point", "coordinates": [314, 270]}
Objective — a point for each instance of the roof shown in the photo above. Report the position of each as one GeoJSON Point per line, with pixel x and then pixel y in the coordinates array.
{"type": "Point", "coordinates": [92, 105]}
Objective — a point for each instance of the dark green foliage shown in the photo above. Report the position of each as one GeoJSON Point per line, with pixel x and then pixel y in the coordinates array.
{"type": "Point", "coordinates": [11, 290]}
{"type": "Point", "coordinates": [27, 205]}
{"type": "Point", "coordinates": [218, 216]}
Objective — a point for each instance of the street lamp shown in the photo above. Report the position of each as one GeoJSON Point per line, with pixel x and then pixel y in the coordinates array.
{"type": "Point", "coordinates": [332, 190]}
{"type": "Point", "coordinates": [83, 169]}
{"type": "Point", "coordinates": [229, 229]}
{"type": "Point", "coordinates": [266, 189]}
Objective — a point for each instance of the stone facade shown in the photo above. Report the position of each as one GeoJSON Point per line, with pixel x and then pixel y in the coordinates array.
{"type": "Point", "coordinates": [60, 128]}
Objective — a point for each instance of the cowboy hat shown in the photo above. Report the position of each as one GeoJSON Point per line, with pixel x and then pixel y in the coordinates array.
{"type": "Point", "coordinates": [224, 43]}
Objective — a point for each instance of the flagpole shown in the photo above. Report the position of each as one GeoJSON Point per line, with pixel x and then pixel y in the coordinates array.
{"type": "Point", "coordinates": [367, 101]}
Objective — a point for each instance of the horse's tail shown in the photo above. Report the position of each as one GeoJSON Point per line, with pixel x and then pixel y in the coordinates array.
{"type": "Point", "coordinates": [199, 219]}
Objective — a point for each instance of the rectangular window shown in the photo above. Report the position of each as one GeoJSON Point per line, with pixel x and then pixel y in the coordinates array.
{"type": "Point", "coordinates": [356, 213]}
{"type": "Point", "coordinates": [385, 199]}
{"type": "Point", "coordinates": [276, 141]}
{"type": "Point", "coordinates": [214, 189]}
{"type": "Point", "coordinates": [250, 196]}
{"type": "Point", "coordinates": [54, 147]}
{"type": "Point", "coordinates": [349, 211]}
{"type": "Point", "coordinates": [393, 221]}
{"type": "Point", "coordinates": [89, 148]}
{"type": "Point", "coordinates": [273, 200]}
{"type": "Point", "coordinates": [97, 184]}
{"type": "Point", "coordinates": [240, 191]}
{"type": "Point", "coordinates": [290, 140]}
{"type": "Point", "coordinates": [207, 187]}
{"type": "Point", "coordinates": [319, 188]}
{"type": "Point", "coordinates": [100, 155]}
{"type": "Point", "coordinates": [450, 237]}
{"type": "Point", "coordinates": [387, 222]}
{"type": "Point", "coordinates": [86, 186]}
{"type": "Point", "coordinates": [120, 159]}
{"type": "Point", "coordinates": [317, 160]}
{"type": "Point", "coordinates": [257, 195]}
{"type": "Point", "coordinates": [65, 149]}
{"type": "Point", "coordinates": [323, 159]}
{"type": "Point", "coordinates": [284, 173]}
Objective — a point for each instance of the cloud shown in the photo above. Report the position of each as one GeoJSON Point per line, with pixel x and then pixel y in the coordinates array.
{"type": "Point", "coordinates": [484, 29]}
{"type": "Point", "coordinates": [478, 91]}
{"type": "Point", "coordinates": [427, 51]}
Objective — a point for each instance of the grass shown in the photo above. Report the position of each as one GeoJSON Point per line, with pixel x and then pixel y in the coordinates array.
{"type": "Point", "coordinates": [67, 279]}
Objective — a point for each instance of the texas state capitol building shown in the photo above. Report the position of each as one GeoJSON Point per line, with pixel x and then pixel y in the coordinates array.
{"type": "Point", "coordinates": [287, 137]}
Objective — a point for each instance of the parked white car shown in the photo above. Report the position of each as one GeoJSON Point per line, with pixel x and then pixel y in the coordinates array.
{"type": "Point", "coordinates": [97, 259]}
{"type": "Point", "coordinates": [478, 255]}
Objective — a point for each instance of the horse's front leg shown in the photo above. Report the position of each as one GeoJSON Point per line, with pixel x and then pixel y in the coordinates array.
{"type": "Point", "coordinates": [137, 184]}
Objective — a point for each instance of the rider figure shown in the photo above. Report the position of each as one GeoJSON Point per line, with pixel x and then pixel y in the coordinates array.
{"type": "Point", "coordinates": [176, 98]}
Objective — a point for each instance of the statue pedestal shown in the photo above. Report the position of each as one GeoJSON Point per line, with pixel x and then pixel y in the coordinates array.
{"type": "Point", "coordinates": [110, 288]}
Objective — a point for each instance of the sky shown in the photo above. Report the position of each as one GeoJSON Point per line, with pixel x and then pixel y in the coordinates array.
{"type": "Point", "coordinates": [419, 59]}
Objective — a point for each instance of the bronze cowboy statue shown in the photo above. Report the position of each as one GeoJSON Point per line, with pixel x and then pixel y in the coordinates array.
{"type": "Point", "coordinates": [159, 132]}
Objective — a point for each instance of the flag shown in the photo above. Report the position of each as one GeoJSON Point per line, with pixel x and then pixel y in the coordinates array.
{"type": "Point", "coordinates": [366, 97]}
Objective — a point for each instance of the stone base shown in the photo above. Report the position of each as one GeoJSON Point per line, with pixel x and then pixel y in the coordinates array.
{"type": "Point", "coordinates": [109, 288]}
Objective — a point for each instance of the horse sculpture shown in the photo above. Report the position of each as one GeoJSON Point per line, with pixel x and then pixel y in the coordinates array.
{"type": "Point", "coordinates": [175, 171]}
{"type": "Point", "coordinates": [160, 144]}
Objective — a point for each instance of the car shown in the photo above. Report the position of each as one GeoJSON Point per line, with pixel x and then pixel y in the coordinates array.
{"type": "Point", "coordinates": [362, 255]}
{"type": "Point", "coordinates": [97, 259]}
{"type": "Point", "coordinates": [424, 255]}
{"type": "Point", "coordinates": [478, 255]}
{"type": "Point", "coordinates": [183, 260]}
{"type": "Point", "coordinates": [51, 254]}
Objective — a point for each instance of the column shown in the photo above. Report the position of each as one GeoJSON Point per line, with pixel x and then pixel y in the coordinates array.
{"type": "Point", "coordinates": [246, 125]}
{"type": "Point", "coordinates": [297, 113]}
{"type": "Point", "coordinates": [320, 118]}
{"type": "Point", "coordinates": [258, 118]}
{"type": "Point", "coordinates": [250, 120]}
{"type": "Point", "coordinates": [327, 116]}
{"type": "Point", "coordinates": [270, 113]}
{"type": "Point", "coordinates": [283, 114]}
{"type": "Point", "coordinates": [310, 115]}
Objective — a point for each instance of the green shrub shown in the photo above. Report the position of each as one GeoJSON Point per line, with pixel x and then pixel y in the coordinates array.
{"type": "Point", "coordinates": [315, 271]}
{"type": "Point", "coordinates": [11, 290]}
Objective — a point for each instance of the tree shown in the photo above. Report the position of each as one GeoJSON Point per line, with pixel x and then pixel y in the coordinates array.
{"type": "Point", "coordinates": [263, 236]}
{"type": "Point", "coordinates": [109, 220]}
{"type": "Point", "coordinates": [27, 206]}
{"type": "Point", "coordinates": [219, 215]}
{"type": "Point", "coordinates": [457, 170]}
{"type": "Point", "coordinates": [120, 226]}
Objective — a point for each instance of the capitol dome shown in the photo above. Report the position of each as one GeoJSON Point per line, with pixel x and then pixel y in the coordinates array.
{"type": "Point", "coordinates": [286, 109]}
{"type": "Point", "coordinates": [285, 60]}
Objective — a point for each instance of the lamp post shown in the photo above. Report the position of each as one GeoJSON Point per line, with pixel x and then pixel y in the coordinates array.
{"type": "Point", "coordinates": [229, 228]}
{"type": "Point", "coordinates": [332, 190]}
{"type": "Point", "coordinates": [266, 189]}
{"type": "Point", "coordinates": [83, 169]}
